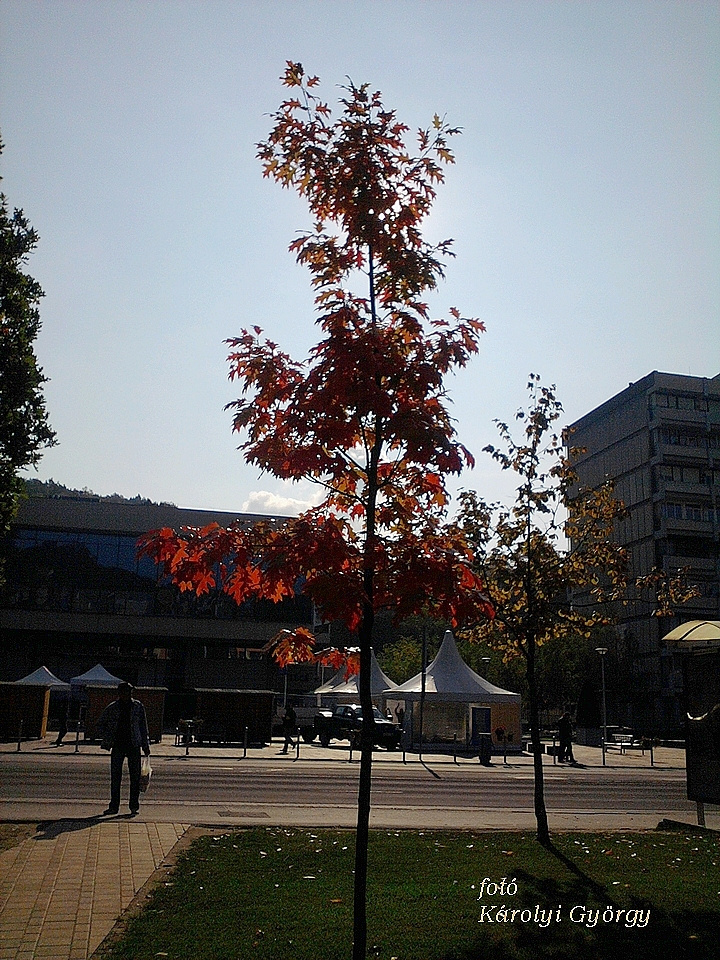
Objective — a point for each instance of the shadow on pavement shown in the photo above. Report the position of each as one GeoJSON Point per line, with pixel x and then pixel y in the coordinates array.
{"type": "Point", "coordinates": [53, 829]}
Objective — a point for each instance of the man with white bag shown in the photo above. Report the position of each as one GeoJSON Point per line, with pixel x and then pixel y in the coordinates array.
{"type": "Point", "coordinates": [124, 731]}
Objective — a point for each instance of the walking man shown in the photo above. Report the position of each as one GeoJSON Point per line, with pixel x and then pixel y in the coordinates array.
{"type": "Point", "coordinates": [565, 735]}
{"type": "Point", "coordinates": [289, 724]}
{"type": "Point", "coordinates": [124, 731]}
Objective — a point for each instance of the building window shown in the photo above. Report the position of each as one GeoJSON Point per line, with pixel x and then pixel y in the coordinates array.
{"type": "Point", "coordinates": [156, 653]}
{"type": "Point", "coordinates": [702, 548]}
{"type": "Point", "coordinates": [681, 438]}
{"type": "Point", "coordinates": [674, 473]}
{"type": "Point", "coordinates": [688, 511]}
{"type": "Point", "coordinates": [675, 402]}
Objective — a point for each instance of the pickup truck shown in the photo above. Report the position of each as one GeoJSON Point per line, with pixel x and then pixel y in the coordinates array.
{"type": "Point", "coordinates": [345, 721]}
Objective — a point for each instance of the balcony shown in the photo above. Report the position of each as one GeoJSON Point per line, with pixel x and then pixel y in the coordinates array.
{"type": "Point", "coordinates": [697, 528]}
{"type": "Point", "coordinates": [673, 415]}
{"type": "Point", "coordinates": [700, 493]}
{"type": "Point", "coordinates": [673, 563]}
{"type": "Point", "coordinates": [677, 452]}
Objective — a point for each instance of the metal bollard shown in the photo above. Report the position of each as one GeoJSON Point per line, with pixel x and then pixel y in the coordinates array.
{"type": "Point", "coordinates": [245, 743]}
{"type": "Point", "coordinates": [20, 733]}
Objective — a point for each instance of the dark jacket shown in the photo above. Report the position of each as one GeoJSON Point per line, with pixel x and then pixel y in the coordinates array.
{"type": "Point", "coordinates": [565, 729]}
{"type": "Point", "coordinates": [108, 724]}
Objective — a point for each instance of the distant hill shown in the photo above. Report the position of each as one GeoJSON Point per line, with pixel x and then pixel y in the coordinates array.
{"type": "Point", "coordinates": [36, 489]}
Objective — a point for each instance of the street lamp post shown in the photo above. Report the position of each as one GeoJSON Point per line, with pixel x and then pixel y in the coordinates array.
{"type": "Point", "coordinates": [603, 651]}
{"type": "Point", "coordinates": [422, 689]}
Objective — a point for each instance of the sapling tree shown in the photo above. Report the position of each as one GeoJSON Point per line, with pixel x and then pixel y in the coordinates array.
{"type": "Point", "coordinates": [365, 416]}
{"type": "Point", "coordinates": [554, 540]}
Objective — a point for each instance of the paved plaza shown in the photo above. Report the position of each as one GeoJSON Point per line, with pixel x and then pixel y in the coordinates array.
{"type": "Point", "coordinates": [63, 889]}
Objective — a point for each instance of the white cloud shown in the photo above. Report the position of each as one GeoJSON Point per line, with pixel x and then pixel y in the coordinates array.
{"type": "Point", "coordinates": [264, 502]}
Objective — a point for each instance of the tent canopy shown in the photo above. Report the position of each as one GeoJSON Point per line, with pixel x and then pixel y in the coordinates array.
{"type": "Point", "coordinates": [343, 686]}
{"type": "Point", "coordinates": [42, 677]}
{"type": "Point", "coordinates": [449, 678]}
{"type": "Point", "coordinates": [335, 681]}
{"type": "Point", "coordinates": [695, 634]}
{"type": "Point", "coordinates": [97, 676]}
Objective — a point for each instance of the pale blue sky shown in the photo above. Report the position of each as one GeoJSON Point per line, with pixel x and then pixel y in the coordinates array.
{"type": "Point", "coordinates": [584, 206]}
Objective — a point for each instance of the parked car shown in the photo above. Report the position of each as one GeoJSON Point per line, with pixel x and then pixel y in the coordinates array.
{"type": "Point", "coordinates": [345, 722]}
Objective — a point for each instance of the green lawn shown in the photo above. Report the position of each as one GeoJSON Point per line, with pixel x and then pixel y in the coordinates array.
{"type": "Point", "coordinates": [286, 894]}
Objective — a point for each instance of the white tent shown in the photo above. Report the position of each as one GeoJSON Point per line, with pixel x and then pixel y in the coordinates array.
{"type": "Point", "coordinates": [42, 677]}
{"type": "Point", "coordinates": [342, 686]}
{"type": "Point", "coordinates": [335, 681]}
{"type": "Point", "coordinates": [459, 705]}
{"type": "Point", "coordinates": [449, 677]}
{"type": "Point", "coordinates": [97, 676]}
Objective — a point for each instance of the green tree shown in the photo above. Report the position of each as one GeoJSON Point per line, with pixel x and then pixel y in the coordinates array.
{"type": "Point", "coordinates": [402, 658]}
{"type": "Point", "coordinates": [562, 666]}
{"type": "Point", "coordinates": [532, 556]}
{"type": "Point", "coordinates": [24, 428]}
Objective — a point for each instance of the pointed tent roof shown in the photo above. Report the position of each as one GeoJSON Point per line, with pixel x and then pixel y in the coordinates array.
{"type": "Point", "coordinates": [379, 682]}
{"type": "Point", "coordinates": [97, 676]}
{"type": "Point", "coordinates": [448, 677]}
{"type": "Point", "coordinates": [335, 681]}
{"type": "Point", "coordinates": [340, 685]}
{"type": "Point", "coordinates": [42, 677]}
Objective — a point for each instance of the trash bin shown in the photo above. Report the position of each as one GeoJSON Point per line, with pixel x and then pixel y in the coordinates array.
{"type": "Point", "coordinates": [485, 748]}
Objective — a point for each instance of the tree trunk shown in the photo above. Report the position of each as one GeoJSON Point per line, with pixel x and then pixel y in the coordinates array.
{"type": "Point", "coordinates": [543, 832]}
{"type": "Point", "coordinates": [362, 833]}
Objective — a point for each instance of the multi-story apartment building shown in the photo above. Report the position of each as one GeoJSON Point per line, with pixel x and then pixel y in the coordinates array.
{"type": "Point", "coordinates": [77, 594]}
{"type": "Point", "coordinates": [659, 442]}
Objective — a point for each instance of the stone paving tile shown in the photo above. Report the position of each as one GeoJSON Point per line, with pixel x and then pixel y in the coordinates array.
{"type": "Point", "coordinates": [62, 891]}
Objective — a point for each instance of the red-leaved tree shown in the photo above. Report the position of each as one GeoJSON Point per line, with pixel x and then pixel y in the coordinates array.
{"type": "Point", "coordinates": [365, 416]}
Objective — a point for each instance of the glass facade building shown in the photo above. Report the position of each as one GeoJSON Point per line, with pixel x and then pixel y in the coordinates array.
{"type": "Point", "coordinates": [78, 594]}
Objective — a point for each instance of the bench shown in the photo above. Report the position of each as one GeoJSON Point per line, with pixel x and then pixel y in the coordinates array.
{"type": "Point", "coordinates": [628, 741]}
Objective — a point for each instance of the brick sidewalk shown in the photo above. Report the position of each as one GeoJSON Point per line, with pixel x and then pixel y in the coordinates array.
{"type": "Point", "coordinates": [62, 891]}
